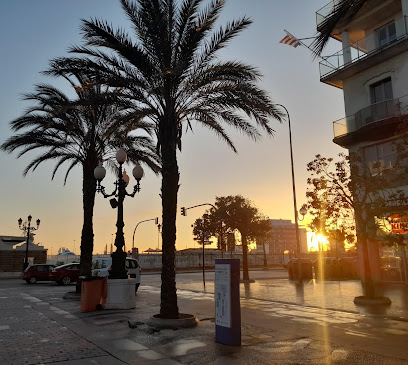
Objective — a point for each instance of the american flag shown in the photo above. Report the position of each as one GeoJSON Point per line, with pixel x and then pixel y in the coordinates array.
{"type": "Point", "coordinates": [290, 40]}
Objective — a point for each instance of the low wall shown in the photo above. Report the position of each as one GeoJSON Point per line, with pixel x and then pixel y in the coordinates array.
{"type": "Point", "coordinates": [13, 260]}
{"type": "Point", "coordinates": [191, 260]}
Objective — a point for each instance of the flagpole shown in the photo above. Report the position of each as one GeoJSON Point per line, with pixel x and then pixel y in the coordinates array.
{"type": "Point", "coordinates": [310, 49]}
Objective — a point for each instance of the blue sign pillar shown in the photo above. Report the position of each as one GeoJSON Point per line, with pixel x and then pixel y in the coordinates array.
{"type": "Point", "coordinates": [227, 302]}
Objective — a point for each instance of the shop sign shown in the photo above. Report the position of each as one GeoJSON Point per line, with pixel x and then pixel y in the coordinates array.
{"type": "Point", "coordinates": [399, 223]}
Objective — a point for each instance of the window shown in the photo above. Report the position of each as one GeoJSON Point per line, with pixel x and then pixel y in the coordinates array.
{"type": "Point", "coordinates": [380, 157]}
{"type": "Point", "coordinates": [385, 34]}
{"type": "Point", "coordinates": [381, 91]}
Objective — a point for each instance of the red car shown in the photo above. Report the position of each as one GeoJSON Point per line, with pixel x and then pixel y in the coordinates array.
{"type": "Point", "coordinates": [65, 274]}
{"type": "Point", "coordinates": [34, 273]}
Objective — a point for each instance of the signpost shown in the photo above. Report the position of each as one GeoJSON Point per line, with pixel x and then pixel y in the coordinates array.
{"type": "Point", "coordinates": [227, 302]}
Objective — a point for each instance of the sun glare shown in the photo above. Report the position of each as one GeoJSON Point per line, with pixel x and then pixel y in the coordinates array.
{"type": "Point", "coordinates": [315, 240]}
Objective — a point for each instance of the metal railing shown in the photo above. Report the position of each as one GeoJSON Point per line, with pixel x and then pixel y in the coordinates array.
{"type": "Point", "coordinates": [371, 114]}
{"type": "Point", "coordinates": [325, 11]}
{"type": "Point", "coordinates": [361, 49]}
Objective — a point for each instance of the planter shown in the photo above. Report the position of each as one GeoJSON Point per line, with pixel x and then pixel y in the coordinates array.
{"type": "Point", "coordinates": [363, 300]}
{"type": "Point", "coordinates": [121, 294]}
{"type": "Point", "coordinates": [184, 321]}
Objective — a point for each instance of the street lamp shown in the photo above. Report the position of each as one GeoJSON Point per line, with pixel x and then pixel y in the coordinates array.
{"type": "Point", "coordinates": [294, 197]}
{"type": "Point", "coordinates": [119, 256]}
{"type": "Point", "coordinates": [27, 228]}
{"type": "Point", "coordinates": [156, 221]}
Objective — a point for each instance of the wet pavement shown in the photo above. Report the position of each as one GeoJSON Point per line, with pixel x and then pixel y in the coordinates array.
{"type": "Point", "coordinates": [284, 325]}
{"type": "Point", "coordinates": [273, 285]}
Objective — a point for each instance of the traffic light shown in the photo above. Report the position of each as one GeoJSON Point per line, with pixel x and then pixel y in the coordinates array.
{"type": "Point", "coordinates": [183, 211]}
{"type": "Point", "coordinates": [156, 220]}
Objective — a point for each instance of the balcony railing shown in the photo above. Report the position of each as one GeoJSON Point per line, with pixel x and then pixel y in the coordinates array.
{"type": "Point", "coordinates": [371, 114]}
{"type": "Point", "coordinates": [361, 49]}
{"type": "Point", "coordinates": [325, 11]}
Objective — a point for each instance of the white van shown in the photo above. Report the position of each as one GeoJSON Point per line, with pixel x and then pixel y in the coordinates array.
{"type": "Point", "coordinates": [102, 265]}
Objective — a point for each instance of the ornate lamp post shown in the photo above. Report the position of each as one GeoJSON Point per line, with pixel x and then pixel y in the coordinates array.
{"type": "Point", "coordinates": [119, 256]}
{"type": "Point", "coordinates": [27, 228]}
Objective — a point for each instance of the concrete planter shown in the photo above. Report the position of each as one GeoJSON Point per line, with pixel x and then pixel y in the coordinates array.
{"type": "Point", "coordinates": [184, 321]}
{"type": "Point", "coordinates": [121, 294]}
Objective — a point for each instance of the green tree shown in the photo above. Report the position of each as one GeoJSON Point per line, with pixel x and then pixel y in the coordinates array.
{"type": "Point", "coordinates": [345, 197]}
{"type": "Point", "coordinates": [171, 74]}
{"type": "Point", "coordinates": [84, 131]}
{"type": "Point", "coordinates": [262, 235]}
{"type": "Point", "coordinates": [240, 214]}
{"type": "Point", "coordinates": [202, 229]}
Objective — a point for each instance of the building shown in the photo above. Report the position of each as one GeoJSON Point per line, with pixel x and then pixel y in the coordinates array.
{"type": "Point", "coordinates": [283, 238]}
{"type": "Point", "coordinates": [371, 67]}
{"type": "Point", "coordinates": [13, 251]}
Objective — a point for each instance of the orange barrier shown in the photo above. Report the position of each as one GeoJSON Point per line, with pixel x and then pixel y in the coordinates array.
{"type": "Point", "coordinates": [93, 295]}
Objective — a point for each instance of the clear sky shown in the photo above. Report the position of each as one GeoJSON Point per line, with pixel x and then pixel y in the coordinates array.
{"type": "Point", "coordinates": [33, 32]}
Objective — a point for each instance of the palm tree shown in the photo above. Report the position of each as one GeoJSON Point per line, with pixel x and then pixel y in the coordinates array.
{"type": "Point", "coordinates": [169, 71]}
{"type": "Point", "coordinates": [342, 13]}
{"type": "Point", "coordinates": [85, 131]}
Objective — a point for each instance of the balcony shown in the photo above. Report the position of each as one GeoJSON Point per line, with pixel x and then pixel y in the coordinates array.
{"type": "Point", "coordinates": [325, 11]}
{"type": "Point", "coordinates": [381, 114]}
{"type": "Point", "coordinates": [335, 68]}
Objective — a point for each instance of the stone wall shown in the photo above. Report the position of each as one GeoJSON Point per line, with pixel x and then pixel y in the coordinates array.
{"type": "Point", "coordinates": [13, 260]}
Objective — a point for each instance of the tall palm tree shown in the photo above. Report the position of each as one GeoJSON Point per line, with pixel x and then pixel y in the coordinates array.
{"type": "Point", "coordinates": [342, 13]}
{"type": "Point", "coordinates": [85, 131]}
{"type": "Point", "coordinates": [169, 71]}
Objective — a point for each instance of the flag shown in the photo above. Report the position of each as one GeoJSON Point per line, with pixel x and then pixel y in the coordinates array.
{"type": "Point", "coordinates": [290, 40]}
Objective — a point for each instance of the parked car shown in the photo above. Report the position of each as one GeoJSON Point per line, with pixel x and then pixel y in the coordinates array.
{"type": "Point", "coordinates": [66, 274]}
{"type": "Point", "coordinates": [101, 267]}
{"type": "Point", "coordinates": [40, 272]}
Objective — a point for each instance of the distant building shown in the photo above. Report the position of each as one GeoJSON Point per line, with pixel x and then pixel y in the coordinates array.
{"type": "Point", "coordinates": [283, 237]}
{"type": "Point", "coordinates": [13, 249]}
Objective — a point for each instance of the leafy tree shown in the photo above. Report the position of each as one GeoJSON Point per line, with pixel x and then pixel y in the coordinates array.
{"type": "Point", "coordinates": [347, 196]}
{"type": "Point", "coordinates": [238, 213]}
{"type": "Point", "coordinates": [83, 131]}
{"type": "Point", "coordinates": [170, 73]}
{"type": "Point", "coordinates": [212, 225]}
{"type": "Point", "coordinates": [202, 229]}
{"type": "Point", "coordinates": [262, 235]}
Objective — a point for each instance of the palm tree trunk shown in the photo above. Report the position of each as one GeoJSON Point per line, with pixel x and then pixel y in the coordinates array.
{"type": "Point", "coordinates": [87, 237]}
{"type": "Point", "coordinates": [245, 272]}
{"type": "Point", "coordinates": [170, 184]}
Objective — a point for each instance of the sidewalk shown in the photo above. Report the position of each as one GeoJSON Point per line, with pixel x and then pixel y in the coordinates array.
{"type": "Point", "coordinates": [272, 333]}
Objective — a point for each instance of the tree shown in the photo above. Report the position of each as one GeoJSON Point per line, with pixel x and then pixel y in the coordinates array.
{"type": "Point", "coordinates": [211, 224]}
{"type": "Point", "coordinates": [262, 235]}
{"type": "Point", "coordinates": [84, 131]}
{"type": "Point", "coordinates": [169, 71]}
{"type": "Point", "coordinates": [238, 213]}
{"type": "Point", "coordinates": [345, 197]}
{"type": "Point", "coordinates": [202, 229]}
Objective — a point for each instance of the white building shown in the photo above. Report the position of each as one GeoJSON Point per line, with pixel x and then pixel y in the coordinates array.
{"type": "Point", "coordinates": [371, 67]}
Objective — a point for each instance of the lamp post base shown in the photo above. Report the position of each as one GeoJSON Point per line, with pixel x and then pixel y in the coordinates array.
{"type": "Point", "coordinates": [118, 265]}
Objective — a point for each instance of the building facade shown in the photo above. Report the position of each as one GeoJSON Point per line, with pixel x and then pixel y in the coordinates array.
{"type": "Point", "coordinates": [371, 67]}
{"type": "Point", "coordinates": [283, 238]}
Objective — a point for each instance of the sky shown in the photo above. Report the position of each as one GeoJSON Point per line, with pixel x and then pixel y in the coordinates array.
{"type": "Point", "coordinates": [34, 32]}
